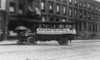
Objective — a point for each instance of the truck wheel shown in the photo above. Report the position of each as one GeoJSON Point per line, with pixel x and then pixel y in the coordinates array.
{"type": "Point", "coordinates": [63, 41]}
{"type": "Point", "coordinates": [31, 41]}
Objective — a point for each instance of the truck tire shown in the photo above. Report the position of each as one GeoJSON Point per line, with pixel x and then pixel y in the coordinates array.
{"type": "Point", "coordinates": [31, 41]}
{"type": "Point", "coordinates": [63, 41]}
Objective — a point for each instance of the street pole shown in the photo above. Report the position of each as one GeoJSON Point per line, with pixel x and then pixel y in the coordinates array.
{"type": "Point", "coordinates": [6, 19]}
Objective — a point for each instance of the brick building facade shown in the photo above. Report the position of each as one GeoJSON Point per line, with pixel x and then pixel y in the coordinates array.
{"type": "Point", "coordinates": [85, 13]}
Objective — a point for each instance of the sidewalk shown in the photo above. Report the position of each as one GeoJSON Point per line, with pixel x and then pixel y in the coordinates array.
{"type": "Point", "coordinates": [8, 42]}
{"type": "Point", "coordinates": [15, 41]}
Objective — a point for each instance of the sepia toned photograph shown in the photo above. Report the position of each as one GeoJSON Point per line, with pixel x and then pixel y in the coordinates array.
{"type": "Point", "coordinates": [49, 29]}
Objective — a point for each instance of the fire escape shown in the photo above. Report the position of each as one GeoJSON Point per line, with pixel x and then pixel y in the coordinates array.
{"type": "Point", "coordinates": [28, 11]}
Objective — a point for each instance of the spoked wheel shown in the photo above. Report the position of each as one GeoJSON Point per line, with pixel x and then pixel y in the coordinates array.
{"type": "Point", "coordinates": [63, 41]}
{"type": "Point", "coordinates": [31, 41]}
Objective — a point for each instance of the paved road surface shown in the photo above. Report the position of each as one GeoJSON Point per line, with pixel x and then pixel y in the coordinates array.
{"type": "Point", "coordinates": [77, 50]}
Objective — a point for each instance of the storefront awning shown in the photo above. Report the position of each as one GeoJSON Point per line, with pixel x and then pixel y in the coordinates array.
{"type": "Point", "coordinates": [30, 9]}
{"type": "Point", "coordinates": [37, 11]}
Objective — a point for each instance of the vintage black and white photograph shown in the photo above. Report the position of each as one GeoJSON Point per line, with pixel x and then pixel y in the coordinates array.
{"type": "Point", "coordinates": [49, 29]}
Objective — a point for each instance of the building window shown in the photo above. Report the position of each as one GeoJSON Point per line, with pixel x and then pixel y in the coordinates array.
{"type": "Point", "coordinates": [64, 19]}
{"type": "Point", "coordinates": [51, 7]}
{"type": "Point", "coordinates": [85, 27]}
{"type": "Point", "coordinates": [0, 25]}
{"type": "Point", "coordinates": [97, 16]}
{"type": "Point", "coordinates": [64, 10]}
{"type": "Point", "coordinates": [21, 7]}
{"type": "Point", "coordinates": [75, 13]}
{"type": "Point", "coordinates": [96, 28]}
{"type": "Point", "coordinates": [85, 5]}
{"type": "Point", "coordinates": [70, 12]}
{"type": "Point", "coordinates": [80, 14]}
{"type": "Point", "coordinates": [89, 15]}
{"type": "Point", "coordinates": [76, 25]}
{"type": "Point", "coordinates": [99, 9]}
{"type": "Point", "coordinates": [85, 14]}
{"type": "Point", "coordinates": [93, 27]}
{"type": "Point", "coordinates": [57, 20]}
{"type": "Point", "coordinates": [92, 7]}
{"type": "Point", "coordinates": [58, 9]}
{"type": "Point", "coordinates": [75, 3]}
{"type": "Point", "coordinates": [51, 20]}
{"type": "Point", "coordinates": [43, 5]}
{"type": "Point", "coordinates": [96, 8]}
{"type": "Point", "coordinates": [93, 15]}
{"type": "Point", "coordinates": [12, 7]}
{"type": "Point", "coordinates": [70, 1]}
{"type": "Point", "coordinates": [80, 26]}
{"type": "Point", "coordinates": [80, 4]}
{"type": "Point", "coordinates": [43, 19]}
{"type": "Point", "coordinates": [89, 24]}
{"type": "Point", "coordinates": [88, 6]}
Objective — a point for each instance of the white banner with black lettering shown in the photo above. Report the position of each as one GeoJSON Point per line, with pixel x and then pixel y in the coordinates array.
{"type": "Point", "coordinates": [55, 31]}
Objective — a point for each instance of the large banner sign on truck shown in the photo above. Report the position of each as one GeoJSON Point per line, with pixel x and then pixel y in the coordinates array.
{"type": "Point", "coordinates": [55, 31]}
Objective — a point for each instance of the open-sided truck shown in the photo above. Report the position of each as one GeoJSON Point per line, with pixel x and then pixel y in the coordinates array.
{"type": "Point", "coordinates": [48, 31]}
